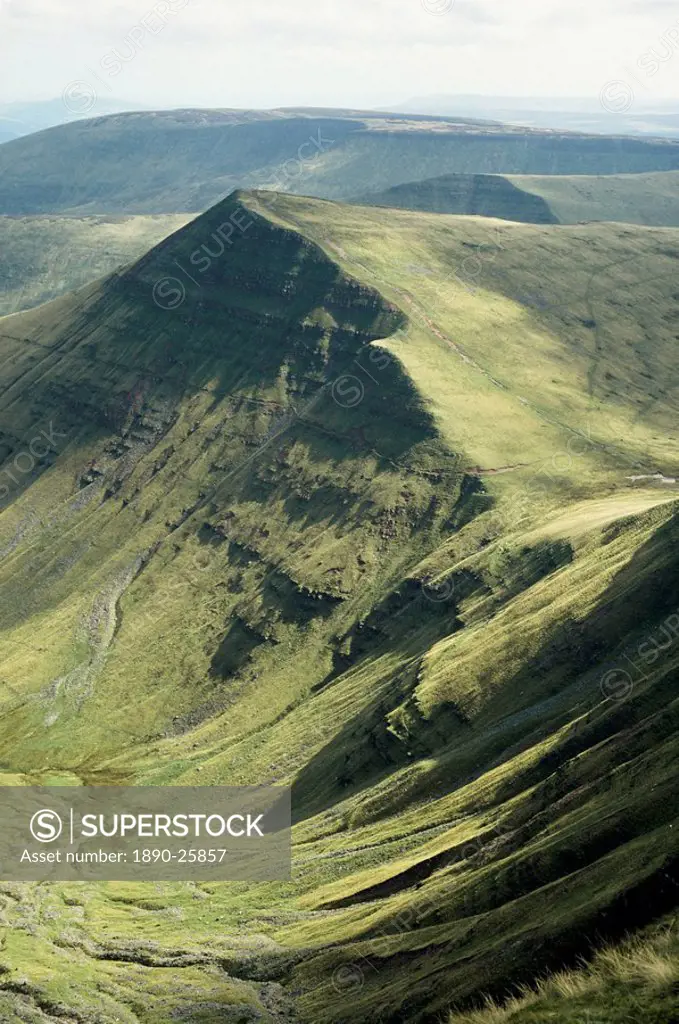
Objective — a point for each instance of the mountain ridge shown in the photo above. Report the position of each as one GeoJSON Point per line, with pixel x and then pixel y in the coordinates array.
{"type": "Point", "coordinates": [185, 161]}
{"type": "Point", "coordinates": [271, 542]}
{"type": "Point", "coordinates": [650, 199]}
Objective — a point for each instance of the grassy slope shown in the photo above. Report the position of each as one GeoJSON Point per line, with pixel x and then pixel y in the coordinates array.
{"type": "Point", "coordinates": [651, 199]}
{"type": "Point", "coordinates": [635, 981]}
{"type": "Point", "coordinates": [44, 257]}
{"type": "Point", "coordinates": [224, 568]}
{"type": "Point", "coordinates": [171, 161]}
{"type": "Point", "coordinates": [487, 195]}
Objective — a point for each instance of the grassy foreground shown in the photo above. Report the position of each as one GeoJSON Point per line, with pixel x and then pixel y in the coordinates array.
{"type": "Point", "coordinates": [634, 981]}
{"type": "Point", "coordinates": [381, 505]}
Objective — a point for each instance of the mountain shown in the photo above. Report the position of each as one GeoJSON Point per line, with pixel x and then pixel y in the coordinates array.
{"type": "Point", "coordinates": [44, 257]}
{"type": "Point", "coordinates": [616, 111]}
{"type": "Point", "coordinates": [383, 505]}
{"type": "Point", "coordinates": [24, 118]}
{"type": "Point", "coordinates": [486, 195]}
{"type": "Point", "coordinates": [186, 160]}
{"type": "Point", "coordinates": [651, 199]}
{"type": "Point", "coordinates": [47, 254]}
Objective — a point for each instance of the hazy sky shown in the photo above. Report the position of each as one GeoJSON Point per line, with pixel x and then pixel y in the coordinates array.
{"type": "Point", "coordinates": [333, 52]}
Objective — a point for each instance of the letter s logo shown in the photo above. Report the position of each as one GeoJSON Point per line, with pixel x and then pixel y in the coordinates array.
{"type": "Point", "coordinates": [348, 391]}
{"type": "Point", "coordinates": [169, 293]}
{"type": "Point", "coordinates": [46, 826]}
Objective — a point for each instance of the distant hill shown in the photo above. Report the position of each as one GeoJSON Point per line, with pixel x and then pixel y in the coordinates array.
{"type": "Point", "coordinates": [186, 160]}
{"type": "Point", "coordinates": [48, 255]}
{"type": "Point", "coordinates": [488, 195]}
{"type": "Point", "coordinates": [24, 118]}
{"type": "Point", "coordinates": [43, 257]}
{"type": "Point", "coordinates": [579, 114]}
{"type": "Point", "coordinates": [651, 199]}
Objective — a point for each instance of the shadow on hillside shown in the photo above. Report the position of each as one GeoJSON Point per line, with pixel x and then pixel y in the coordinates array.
{"type": "Point", "coordinates": [639, 607]}
{"type": "Point", "coordinates": [267, 322]}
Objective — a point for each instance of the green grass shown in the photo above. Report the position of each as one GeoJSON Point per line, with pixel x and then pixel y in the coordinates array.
{"type": "Point", "coordinates": [405, 606]}
{"type": "Point", "coordinates": [634, 981]}
{"type": "Point", "coordinates": [173, 161]}
{"type": "Point", "coordinates": [510, 324]}
{"type": "Point", "coordinates": [650, 199]}
{"type": "Point", "coordinates": [44, 257]}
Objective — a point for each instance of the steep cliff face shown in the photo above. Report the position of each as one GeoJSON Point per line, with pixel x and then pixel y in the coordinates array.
{"type": "Point", "coordinates": [233, 463]}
